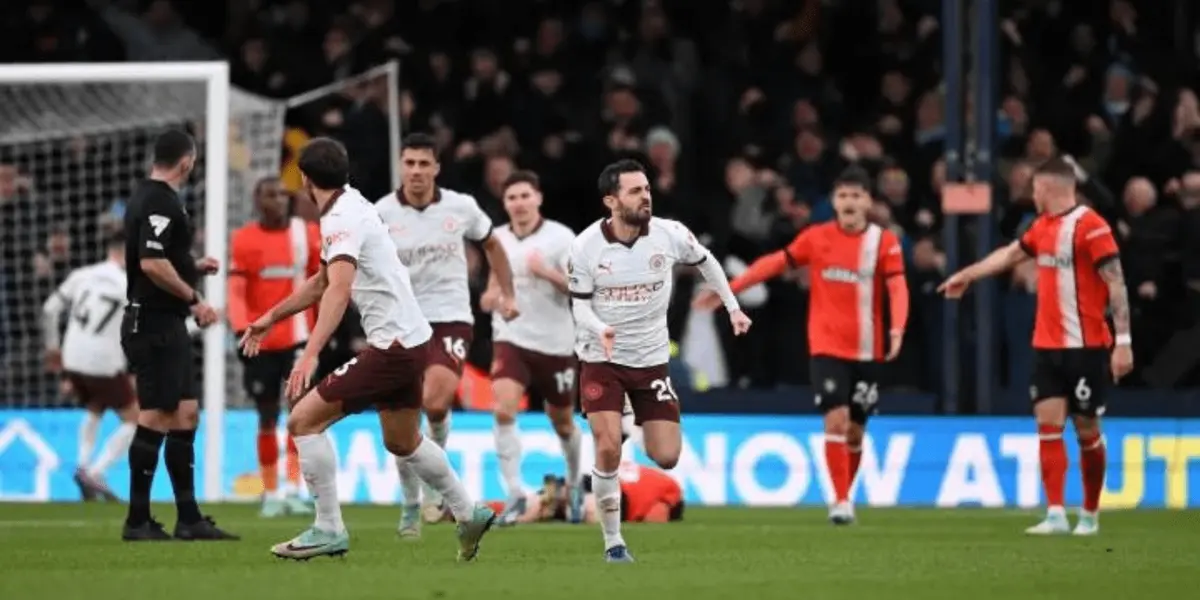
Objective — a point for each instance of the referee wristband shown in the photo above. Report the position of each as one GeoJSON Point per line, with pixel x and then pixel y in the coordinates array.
{"type": "Point", "coordinates": [1124, 339]}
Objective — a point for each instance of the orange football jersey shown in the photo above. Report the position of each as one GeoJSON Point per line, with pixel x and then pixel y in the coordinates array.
{"type": "Point", "coordinates": [847, 274]}
{"type": "Point", "coordinates": [266, 266]}
{"type": "Point", "coordinates": [1072, 298]}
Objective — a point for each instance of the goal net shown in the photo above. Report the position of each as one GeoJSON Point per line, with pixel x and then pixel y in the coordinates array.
{"type": "Point", "coordinates": [74, 141]}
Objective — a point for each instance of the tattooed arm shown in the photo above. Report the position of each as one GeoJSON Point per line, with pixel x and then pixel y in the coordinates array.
{"type": "Point", "coordinates": [1118, 298]}
{"type": "Point", "coordinates": [1118, 304]}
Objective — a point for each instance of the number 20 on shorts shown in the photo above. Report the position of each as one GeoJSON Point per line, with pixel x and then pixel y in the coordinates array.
{"type": "Point", "coordinates": [664, 391]}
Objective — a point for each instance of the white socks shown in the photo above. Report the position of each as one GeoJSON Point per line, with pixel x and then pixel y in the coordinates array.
{"type": "Point", "coordinates": [319, 467]}
{"type": "Point", "coordinates": [410, 484]}
{"type": "Point", "coordinates": [607, 489]}
{"type": "Point", "coordinates": [508, 451]}
{"type": "Point", "coordinates": [116, 447]}
{"type": "Point", "coordinates": [570, 448]}
{"type": "Point", "coordinates": [430, 463]}
{"type": "Point", "coordinates": [440, 432]}
{"type": "Point", "coordinates": [87, 437]}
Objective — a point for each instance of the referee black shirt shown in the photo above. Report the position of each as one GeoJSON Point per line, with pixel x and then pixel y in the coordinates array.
{"type": "Point", "coordinates": [157, 226]}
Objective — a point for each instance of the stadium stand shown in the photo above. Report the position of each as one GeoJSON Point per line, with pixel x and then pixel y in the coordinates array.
{"type": "Point", "coordinates": [745, 111]}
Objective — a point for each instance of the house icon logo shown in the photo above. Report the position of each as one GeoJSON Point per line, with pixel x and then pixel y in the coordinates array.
{"type": "Point", "coordinates": [27, 463]}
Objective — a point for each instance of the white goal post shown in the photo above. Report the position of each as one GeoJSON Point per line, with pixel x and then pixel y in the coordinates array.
{"type": "Point", "coordinates": [215, 78]}
{"type": "Point", "coordinates": [75, 138]}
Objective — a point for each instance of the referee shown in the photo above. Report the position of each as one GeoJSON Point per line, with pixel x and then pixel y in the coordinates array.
{"type": "Point", "coordinates": [161, 272]}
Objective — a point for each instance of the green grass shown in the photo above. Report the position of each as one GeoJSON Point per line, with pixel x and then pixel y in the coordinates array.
{"type": "Point", "coordinates": [67, 551]}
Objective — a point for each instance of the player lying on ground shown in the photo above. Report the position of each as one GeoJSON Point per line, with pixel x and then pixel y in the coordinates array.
{"type": "Point", "coordinates": [359, 261]}
{"type": "Point", "coordinates": [534, 352]}
{"type": "Point", "coordinates": [1078, 277]}
{"type": "Point", "coordinates": [648, 495]}
{"type": "Point", "coordinates": [270, 258]}
{"type": "Point", "coordinates": [851, 263]}
{"type": "Point", "coordinates": [429, 226]}
{"type": "Point", "coordinates": [91, 359]}
{"type": "Point", "coordinates": [620, 276]}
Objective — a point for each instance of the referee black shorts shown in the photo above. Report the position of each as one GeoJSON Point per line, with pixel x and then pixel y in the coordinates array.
{"type": "Point", "coordinates": [159, 351]}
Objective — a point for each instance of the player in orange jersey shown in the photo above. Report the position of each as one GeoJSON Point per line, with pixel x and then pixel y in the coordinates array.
{"type": "Point", "coordinates": [1079, 279]}
{"type": "Point", "coordinates": [270, 257]}
{"type": "Point", "coordinates": [851, 263]}
{"type": "Point", "coordinates": [648, 495]}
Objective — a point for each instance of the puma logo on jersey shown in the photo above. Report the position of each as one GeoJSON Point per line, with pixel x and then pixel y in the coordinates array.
{"type": "Point", "coordinates": [159, 224]}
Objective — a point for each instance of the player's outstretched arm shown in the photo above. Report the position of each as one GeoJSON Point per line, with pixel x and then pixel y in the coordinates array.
{"type": "Point", "coordinates": [308, 294]}
{"type": "Point", "coordinates": [999, 261]}
{"type": "Point", "coordinates": [339, 277]}
{"type": "Point", "coordinates": [712, 272]}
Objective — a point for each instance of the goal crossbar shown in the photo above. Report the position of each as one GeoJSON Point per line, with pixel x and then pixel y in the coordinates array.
{"type": "Point", "coordinates": [215, 76]}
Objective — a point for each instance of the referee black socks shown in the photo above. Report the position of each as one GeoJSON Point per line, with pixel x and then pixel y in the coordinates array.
{"type": "Point", "coordinates": [143, 461]}
{"type": "Point", "coordinates": [181, 462]}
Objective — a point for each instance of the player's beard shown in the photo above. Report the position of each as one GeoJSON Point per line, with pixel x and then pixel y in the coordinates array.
{"type": "Point", "coordinates": [635, 217]}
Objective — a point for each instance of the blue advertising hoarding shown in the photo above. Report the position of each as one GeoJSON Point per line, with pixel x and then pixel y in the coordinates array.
{"type": "Point", "coordinates": [727, 460]}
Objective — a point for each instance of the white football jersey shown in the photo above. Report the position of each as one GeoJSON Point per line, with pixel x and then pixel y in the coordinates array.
{"type": "Point", "coordinates": [629, 287]}
{"type": "Point", "coordinates": [352, 230]}
{"type": "Point", "coordinates": [544, 324]}
{"type": "Point", "coordinates": [95, 296]}
{"type": "Point", "coordinates": [430, 243]}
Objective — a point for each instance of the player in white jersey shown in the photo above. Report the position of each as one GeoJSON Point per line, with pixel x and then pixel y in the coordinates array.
{"type": "Point", "coordinates": [359, 262]}
{"type": "Point", "coordinates": [620, 275]}
{"type": "Point", "coordinates": [91, 359]}
{"type": "Point", "coordinates": [534, 352]}
{"type": "Point", "coordinates": [430, 227]}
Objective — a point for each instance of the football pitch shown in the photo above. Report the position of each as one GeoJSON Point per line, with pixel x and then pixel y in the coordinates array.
{"type": "Point", "coordinates": [68, 551]}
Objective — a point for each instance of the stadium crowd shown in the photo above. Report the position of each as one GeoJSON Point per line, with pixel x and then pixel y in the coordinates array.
{"type": "Point", "coordinates": [744, 111]}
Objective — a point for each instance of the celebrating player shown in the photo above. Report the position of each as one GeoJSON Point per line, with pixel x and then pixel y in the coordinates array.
{"type": "Point", "coordinates": [851, 262]}
{"type": "Point", "coordinates": [271, 257]}
{"type": "Point", "coordinates": [1079, 278]}
{"type": "Point", "coordinates": [359, 261]}
{"type": "Point", "coordinates": [93, 362]}
{"type": "Point", "coordinates": [620, 276]}
{"type": "Point", "coordinates": [428, 224]}
{"type": "Point", "coordinates": [534, 351]}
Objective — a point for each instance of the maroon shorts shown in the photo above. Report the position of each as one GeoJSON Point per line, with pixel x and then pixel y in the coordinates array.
{"type": "Point", "coordinates": [113, 391]}
{"type": "Point", "coordinates": [388, 379]}
{"type": "Point", "coordinates": [450, 344]}
{"type": "Point", "coordinates": [551, 377]}
{"type": "Point", "coordinates": [604, 387]}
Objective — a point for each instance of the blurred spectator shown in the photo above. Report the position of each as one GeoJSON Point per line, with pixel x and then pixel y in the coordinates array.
{"type": "Point", "coordinates": [743, 112]}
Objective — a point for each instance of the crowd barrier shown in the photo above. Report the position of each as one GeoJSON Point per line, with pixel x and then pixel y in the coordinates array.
{"type": "Point", "coordinates": [727, 460]}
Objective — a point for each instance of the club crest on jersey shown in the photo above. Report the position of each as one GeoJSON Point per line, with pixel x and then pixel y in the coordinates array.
{"type": "Point", "coordinates": [658, 262]}
{"type": "Point", "coordinates": [450, 225]}
{"type": "Point", "coordinates": [593, 391]}
{"type": "Point", "coordinates": [397, 229]}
